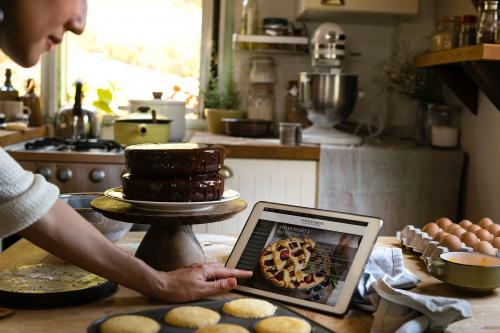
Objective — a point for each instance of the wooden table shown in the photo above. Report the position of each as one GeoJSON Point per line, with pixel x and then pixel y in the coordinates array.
{"type": "Point", "coordinates": [486, 309]}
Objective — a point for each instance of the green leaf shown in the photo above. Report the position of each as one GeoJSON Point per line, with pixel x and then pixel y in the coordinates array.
{"type": "Point", "coordinates": [105, 95]}
{"type": "Point", "coordinates": [103, 106]}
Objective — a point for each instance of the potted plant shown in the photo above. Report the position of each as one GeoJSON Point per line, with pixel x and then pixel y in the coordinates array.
{"type": "Point", "coordinates": [221, 100]}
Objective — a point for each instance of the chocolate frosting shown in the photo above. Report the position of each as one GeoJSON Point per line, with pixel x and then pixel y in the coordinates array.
{"type": "Point", "coordinates": [208, 187]}
{"type": "Point", "coordinates": [174, 159]}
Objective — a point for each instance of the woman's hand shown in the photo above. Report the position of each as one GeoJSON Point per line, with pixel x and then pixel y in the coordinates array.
{"type": "Point", "coordinates": [197, 281]}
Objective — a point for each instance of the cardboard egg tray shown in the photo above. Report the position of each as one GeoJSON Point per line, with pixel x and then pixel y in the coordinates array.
{"type": "Point", "coordinates": [249, 324]}
{"type": "Point", "coordinates": [419, 242]}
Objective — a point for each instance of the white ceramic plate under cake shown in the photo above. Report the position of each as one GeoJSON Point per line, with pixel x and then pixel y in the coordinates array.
{"type": "Point", "coordinates": [158, 206]}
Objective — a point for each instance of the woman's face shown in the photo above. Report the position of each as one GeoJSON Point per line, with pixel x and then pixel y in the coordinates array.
{"type": "Point", "coordinates": [31, 27]}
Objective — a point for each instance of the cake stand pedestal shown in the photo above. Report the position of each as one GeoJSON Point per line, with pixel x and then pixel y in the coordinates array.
{"type": "Point", "coordinates": [169, 243]}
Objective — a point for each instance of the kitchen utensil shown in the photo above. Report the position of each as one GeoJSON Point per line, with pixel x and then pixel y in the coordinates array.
{"type": "Point", "coordinates": [215, 305]}
{"type": "Point", "coordinates": [77, 122]}
{"type": "Point", "coordinates": [173, 110]}
{"type": "Point", "coordinates": [13, 109]}
{"type": "Point", "coordinates": [51, 285]}
{"type": "Point", "coordinates": [251, 128]}
{"type": "Point", "coordinates": [32, 101]}
{"type": "Point", "coordinates": [290, 133]}
{"type": "Point", "coordinates": [470, 271]}
{"type": "Point", "coordinates": [117, 194]}
{"type": "Point", "coordinates": [7, 91]}
{"type": "Point", "coordinates": [141, 127]}
{"type": "Point", "coordinates": [111, 229]}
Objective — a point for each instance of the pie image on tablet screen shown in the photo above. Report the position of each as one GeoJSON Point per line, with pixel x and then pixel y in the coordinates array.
{"type": "Point", "coordinates": [285, 263]}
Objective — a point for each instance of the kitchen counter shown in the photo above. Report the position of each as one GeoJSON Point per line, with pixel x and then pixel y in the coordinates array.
{"type": "Point", "coordinates": [258, 148]}
{"type": "Point", "coordinates": [76, 319]}
{"type": "Point", "coordinates": [12, 137]}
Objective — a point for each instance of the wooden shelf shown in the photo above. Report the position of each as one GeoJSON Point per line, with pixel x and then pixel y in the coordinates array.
{"type": "Point", "coordinates": [467, 70]}
{"type": "Point", "coordinates": [271, 44]}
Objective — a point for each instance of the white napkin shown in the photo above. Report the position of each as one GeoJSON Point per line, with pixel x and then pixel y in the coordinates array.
{"type": "Point", "coordinates": [398, 310]}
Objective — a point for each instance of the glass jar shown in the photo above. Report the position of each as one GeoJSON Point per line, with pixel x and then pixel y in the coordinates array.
{"type": "Point", "coordinates": [249, 22]}
{"type": "Point", "coordinates": [261, 101]}
{"type": "Point", "coordinates": [468, 30]}
{"type": "Point", "coordinates": [263, 70]}
{"type": "Point", "coordinates": [446, 36]}
{"type": "Point", "coordinates": [487, 31]}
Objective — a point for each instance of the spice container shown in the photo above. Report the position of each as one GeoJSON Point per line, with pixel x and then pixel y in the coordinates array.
{"type": "Point", "coordinates": [468, 30]}
{"type": "Point", "coordinates": [446, 36]}
{"type": "Point", "coordinates": [488, 30]}
{"type": "Point", "coordinates": [275, 26]}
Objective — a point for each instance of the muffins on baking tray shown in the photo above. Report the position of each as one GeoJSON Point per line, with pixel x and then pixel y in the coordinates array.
{"type": "Point", "coordinates": [176, 172]}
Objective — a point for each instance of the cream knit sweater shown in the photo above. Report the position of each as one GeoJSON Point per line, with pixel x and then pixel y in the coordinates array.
{"type": "Point", "coordinates": [24, 197]}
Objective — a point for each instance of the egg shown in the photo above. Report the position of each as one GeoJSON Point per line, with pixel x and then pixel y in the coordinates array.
{"type": "Point", "coordinates": [465, 224]}
{"type": "Point", "coordinates": [437, 237]}
{"type": "Point", "coordinates": [494, 228]}
{"type": "Point", "coordinates": [443, 222]}
{"type": "Point", "coordinates": [484, 235]}
{"type": "Point", "coordinates": [485, 248]}
{"type": "Point", "coordinates": [485, 223]}
{"type": "Point", "coordinates": [431, 229]}
{"type": "Point", "coordinates": [452, 242]}
{"type": "Point", "coordinates": [473, 228]}
{"type": "Point", "coordinates": [452, 227]}
{"type": "Point", "coordinates": [469, 238]}
{"type": "Point", "coordinates": [495, 242]}
{"type": "Point", "coordinates": [459, 232]}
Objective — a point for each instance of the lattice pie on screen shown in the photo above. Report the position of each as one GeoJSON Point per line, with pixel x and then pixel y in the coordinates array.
{"type": "Point", "coordinates": [285, 264]}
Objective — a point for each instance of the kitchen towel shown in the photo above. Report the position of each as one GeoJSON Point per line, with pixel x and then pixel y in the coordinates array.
{"type": "Point", "coordinates": [401, 183]}
{"type": "Point", "coordinates": [398, 310]}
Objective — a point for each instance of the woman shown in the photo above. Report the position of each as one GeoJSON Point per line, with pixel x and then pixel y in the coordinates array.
{"type": "Point", "coordinates": [29, 205]}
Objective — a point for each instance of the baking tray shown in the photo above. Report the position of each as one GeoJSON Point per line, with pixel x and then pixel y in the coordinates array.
{"type": "Point", "coordinates": [51, 286]}
{"type": "Point", "coordinates": [158, 314]}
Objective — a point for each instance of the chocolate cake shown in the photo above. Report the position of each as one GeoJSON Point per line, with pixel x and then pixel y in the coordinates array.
{"type": "Point", "coordinates": [174, 159]}
{"type": "Point", "coordinates": [178, 172]}
{"type": "Point", "coordinates": [209, 187]}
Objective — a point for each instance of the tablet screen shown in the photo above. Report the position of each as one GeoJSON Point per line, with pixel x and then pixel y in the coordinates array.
{"type": "Point", "coordinates": [301, 255]}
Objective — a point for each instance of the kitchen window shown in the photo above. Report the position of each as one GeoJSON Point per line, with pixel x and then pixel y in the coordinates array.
{"type": "Point", "coordinates": [132, 48]}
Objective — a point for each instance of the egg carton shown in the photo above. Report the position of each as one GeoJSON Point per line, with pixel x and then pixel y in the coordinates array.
{"type": "Point", "coordinates": [420, 243]}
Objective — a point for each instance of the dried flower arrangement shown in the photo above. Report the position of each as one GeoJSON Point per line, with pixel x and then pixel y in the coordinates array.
{"type": "Point", "coordinates": [400, 77]}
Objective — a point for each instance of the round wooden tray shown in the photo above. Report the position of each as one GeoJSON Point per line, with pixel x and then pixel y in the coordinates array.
{"type": "Point", "coordinates": [170, 242]}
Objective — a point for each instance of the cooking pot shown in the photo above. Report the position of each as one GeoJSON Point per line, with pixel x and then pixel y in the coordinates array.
{"type": "Point", "coordinates": [173, 110]}
{"type": "Point", "coordinates": [470, 271]}
{"type": "Point", "coordinates": [141, 127]}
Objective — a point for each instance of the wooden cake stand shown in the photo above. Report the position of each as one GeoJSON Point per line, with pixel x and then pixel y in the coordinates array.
{"type": "Point", "coordinates": [170, 242]}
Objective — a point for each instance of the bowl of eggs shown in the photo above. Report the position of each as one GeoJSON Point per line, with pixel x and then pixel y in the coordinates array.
{"type": "Point", "coordinates": [471, 271]}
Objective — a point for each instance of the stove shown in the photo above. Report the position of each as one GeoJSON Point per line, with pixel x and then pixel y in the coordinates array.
{"type": "Point", "coordinates": [75, 166]}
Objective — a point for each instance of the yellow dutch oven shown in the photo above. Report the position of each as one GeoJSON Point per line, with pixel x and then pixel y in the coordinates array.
{"type": "Point", "coordinates": [141, 127]}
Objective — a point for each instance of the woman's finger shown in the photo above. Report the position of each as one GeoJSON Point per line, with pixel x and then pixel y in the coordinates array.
{"type": "Point", "coordinates": [220, 272]}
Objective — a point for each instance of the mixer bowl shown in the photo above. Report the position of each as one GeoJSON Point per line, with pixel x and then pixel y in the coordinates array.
{"type": "Point", "coordinates": [111, 229]}
{"type": "Point", "coordinates": [328, 98]}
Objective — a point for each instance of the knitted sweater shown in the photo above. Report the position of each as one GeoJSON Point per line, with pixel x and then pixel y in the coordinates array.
{"type": "Point", "coordinates": [24, 197]}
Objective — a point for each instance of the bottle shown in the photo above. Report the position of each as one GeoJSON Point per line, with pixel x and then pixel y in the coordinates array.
{"type": "Point", "coordinates": [7, 91]}
{"type": "Point", "coordinates": [468, 30]}
{"type": "Point", "coordinates": [32, 101]}
{"type": "Point", "coordinates": [249, 21]}
{"type": "Point", "coordinates": [446, 35]}
{"type": "Point", "coordinates": [293, 111]}
{"type": "Point", "coordinates": [488, 30]}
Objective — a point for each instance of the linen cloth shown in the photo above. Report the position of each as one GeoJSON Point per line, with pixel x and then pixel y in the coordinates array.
{"type": "Point", "coordinates": [401, 183]}
{"type": "Point", "coordinates": [24, 197]}
{"type": "Point", "coordinates": [398, 310]}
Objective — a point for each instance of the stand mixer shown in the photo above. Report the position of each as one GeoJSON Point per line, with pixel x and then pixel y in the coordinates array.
{"type": "Point", "coordinates": [328, 95]}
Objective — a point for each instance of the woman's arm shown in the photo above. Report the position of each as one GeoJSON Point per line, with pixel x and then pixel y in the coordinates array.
{"type": "Point", "coordinates": [64, 233]}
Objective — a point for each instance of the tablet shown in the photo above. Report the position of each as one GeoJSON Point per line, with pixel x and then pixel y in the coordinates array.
{"type": "Point", "coordinates": [307, 257]}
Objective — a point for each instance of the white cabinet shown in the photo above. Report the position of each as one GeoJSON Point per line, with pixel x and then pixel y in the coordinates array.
{"type": "Point", "coordinates": [283, 181]}
{"type": "Point", "coordinates": [318, 10]}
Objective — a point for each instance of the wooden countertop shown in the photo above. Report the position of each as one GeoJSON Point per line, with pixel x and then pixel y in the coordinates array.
{"type": "Point", "coordinates": [76, 319]}
{"type": "Point", "coordinates": [258, 148]}
{"type": "Point", "coordinates": [12, 137]}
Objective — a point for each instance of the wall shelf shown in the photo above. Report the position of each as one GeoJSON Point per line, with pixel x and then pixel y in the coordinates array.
{"type": "Point", "coordinates": [271, 44]}
{"type": "Point", "coordinates": [467, 70]}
